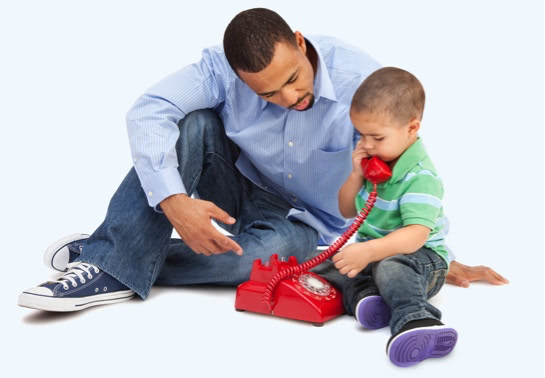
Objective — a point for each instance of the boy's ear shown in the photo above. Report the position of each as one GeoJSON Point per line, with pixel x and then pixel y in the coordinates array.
{"type": "Point", "coordinates": [414, 126]}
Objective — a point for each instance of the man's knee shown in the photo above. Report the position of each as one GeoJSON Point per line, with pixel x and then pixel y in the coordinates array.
{"type": "Point", "coordinates": [200, 119]}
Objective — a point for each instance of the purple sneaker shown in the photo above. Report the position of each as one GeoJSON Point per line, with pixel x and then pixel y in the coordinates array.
{"type": "Point", "coordinates": [372, 312]}
{"type": "Point", "coordinates": [419, 340]}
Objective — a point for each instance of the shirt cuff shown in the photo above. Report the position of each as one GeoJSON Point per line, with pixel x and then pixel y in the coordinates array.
{"type": "Point", "coordinates": [160, 185]}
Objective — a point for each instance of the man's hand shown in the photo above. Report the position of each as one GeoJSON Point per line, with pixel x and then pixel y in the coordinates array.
{"type": "Point", "coordinates": [192, 220]}
{"type": "Point", "coordinates": [461, 275]}
{"type": "Point", "coordinates": [353, 259]}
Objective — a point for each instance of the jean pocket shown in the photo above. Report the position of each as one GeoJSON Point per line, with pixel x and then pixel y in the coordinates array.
{"type": "Point", "coordinates": [436, 280]}
{"type": "Point", "coordinates": [331, 168]}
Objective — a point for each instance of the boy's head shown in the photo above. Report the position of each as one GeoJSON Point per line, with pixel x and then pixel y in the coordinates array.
{"type": "Point", "coordinates": [386, 110]}
{"type": "Point", "coordinates": [270, 58]}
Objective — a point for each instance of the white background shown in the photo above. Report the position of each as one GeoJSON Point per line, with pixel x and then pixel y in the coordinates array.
{"type": "Point", "coordinates": [70, 71]}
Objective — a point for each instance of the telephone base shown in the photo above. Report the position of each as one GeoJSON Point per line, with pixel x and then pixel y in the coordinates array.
{"type": "Point", "coordinates": [306, 296]}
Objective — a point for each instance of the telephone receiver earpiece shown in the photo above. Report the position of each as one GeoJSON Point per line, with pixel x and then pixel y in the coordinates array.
{"type": "Point", "coordinates": [375, 169]}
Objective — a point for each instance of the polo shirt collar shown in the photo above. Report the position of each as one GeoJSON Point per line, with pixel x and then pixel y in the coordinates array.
{"type": "Point", "coordinates": [323, 87]}
{"type": "Point", "coordinates": [411, 157]}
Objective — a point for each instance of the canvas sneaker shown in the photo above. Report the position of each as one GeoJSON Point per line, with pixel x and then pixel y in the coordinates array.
{"type": "Point", "coordinates": [64, 251]}
{"type": "Point", "coordinates": [83, 285]}
{"type": "Point", "coordinates": [419, 340]}
{"type": "Point", "coordinates": [373, 312]}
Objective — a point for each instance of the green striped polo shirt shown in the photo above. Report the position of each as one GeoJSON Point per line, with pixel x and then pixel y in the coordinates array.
{"type": "Point", "coordinates": [411, 196]}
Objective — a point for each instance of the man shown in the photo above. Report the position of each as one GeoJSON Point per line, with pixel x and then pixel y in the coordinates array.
{"type": "Point", "coordinates": [259, 133]}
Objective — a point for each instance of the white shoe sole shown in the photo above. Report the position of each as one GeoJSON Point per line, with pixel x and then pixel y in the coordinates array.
{"type": "Point", "coordinates": [57, 254]}
{"type": "Point", "coordinates": [46, 303]}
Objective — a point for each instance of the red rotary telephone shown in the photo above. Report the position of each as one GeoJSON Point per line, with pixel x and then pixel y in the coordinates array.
{"type": "Point", "coordinates": [288, 290]}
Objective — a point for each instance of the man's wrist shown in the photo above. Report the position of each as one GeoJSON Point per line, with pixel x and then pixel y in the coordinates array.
{"type": "Point", "coordinates": [165, 204]}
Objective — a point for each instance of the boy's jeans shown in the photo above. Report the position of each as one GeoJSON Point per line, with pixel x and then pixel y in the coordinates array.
{"type": "Point", "coordinates": [404, 281]}
{"type": "Point", "coordinates": [134, 243]}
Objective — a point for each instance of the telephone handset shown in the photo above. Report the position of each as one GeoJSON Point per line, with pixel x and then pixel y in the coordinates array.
{"type": "Point", "coordinates": [287, 289]}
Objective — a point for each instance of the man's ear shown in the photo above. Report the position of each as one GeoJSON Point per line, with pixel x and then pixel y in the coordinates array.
{"type": "Point", "coordinates": [414, 126]}
{"type": "Point", "coordinates": [301, 43]}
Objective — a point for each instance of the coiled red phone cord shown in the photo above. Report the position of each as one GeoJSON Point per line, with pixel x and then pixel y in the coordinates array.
{"type": "Point", "coordinates": [303, 267]}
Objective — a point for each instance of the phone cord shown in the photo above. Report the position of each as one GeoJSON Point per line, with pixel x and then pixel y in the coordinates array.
{"type": "Point", "coordinates": [317, 260]}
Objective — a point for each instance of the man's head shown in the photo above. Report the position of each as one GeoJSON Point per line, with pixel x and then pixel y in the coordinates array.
{"type": "Point", "coordinates": [270, 58]}
{"type": "Point", "coordinates": [386, 110]}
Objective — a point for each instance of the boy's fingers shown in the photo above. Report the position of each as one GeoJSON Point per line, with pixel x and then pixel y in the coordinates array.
{"type": "Point", "coordinates": [353, 273]}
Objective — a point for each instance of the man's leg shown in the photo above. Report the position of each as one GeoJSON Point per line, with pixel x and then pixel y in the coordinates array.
{"type": "Point", "coordinates": [134, 240]}
{"type": "Point", "coordinates": [261, 230]}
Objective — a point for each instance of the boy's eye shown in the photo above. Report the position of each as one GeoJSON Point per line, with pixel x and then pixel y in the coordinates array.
{"type": "Point", "coordinates": [379, 139]}
{"type": "Point", "coordinates": [293, 80]}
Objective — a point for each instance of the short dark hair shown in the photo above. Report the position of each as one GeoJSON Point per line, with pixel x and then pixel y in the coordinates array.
{"type": "Point", "coordinates": [393, 92]}
{"type": "Point", "coordinates": [250, 39]}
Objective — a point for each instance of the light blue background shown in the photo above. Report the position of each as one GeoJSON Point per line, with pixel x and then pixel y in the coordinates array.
{"type": "Point", "coordinates": [69, 72]}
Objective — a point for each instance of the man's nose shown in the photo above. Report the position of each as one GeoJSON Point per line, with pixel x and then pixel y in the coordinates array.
{"type": "Point", "coordinates": [289, 97]}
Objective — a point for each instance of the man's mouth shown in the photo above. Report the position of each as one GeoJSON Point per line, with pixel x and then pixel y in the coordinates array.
{"type": "Point", "coordinates": [303, 104]}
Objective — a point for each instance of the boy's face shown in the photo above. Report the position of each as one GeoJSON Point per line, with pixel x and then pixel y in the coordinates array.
{"type": "Point", "coordinates": [288, 81]}
{"type": "Point", "coordinates": [383, 137]}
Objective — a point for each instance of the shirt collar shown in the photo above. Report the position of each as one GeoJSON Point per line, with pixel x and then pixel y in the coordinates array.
{"type": "Point", "coordinates": [323, 87]}
{"type": "Point", "coordinates": [411, 157]}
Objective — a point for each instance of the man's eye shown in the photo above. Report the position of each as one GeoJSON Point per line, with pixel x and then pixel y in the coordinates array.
{"type": "Point", "coordinates": [269, 95]}
{"type": "Point", "coordinates": [379, 139]}
{"type": "Point", "coordinates": [293, 80]}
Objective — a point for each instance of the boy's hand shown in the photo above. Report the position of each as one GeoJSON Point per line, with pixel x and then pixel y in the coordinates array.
{"type": "Point", "coordinates": [358, 154]}
{"type": "Point", "coordinates": [353, 258]}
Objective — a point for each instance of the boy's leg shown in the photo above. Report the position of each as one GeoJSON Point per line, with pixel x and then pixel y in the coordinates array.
{"type": "Point", "coordinates": [361, 297]}
{"type": "Point", "coordinates": [406, 282]}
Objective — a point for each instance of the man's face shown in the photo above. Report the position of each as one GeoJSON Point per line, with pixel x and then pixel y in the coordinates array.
{"type": "Point", "coordinates": [288, 81]}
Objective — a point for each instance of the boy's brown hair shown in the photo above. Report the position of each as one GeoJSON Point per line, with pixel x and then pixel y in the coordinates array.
{"type": "Point", "coordinates": [392, 92]}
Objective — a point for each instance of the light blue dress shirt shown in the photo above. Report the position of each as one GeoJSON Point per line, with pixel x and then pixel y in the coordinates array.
{"type": "Point", "coordinates": [303, 157]}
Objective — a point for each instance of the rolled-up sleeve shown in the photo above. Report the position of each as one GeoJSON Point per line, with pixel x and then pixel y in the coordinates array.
{"type": "Point", "coordinates": [152, 122]}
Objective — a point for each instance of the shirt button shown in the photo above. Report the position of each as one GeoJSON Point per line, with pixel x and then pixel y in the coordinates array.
{"type": "Point", "coordinates": [290, 175]}
{"type": "Point", "coordinates": [135, 160]}
{"type": "Point", "coordinates": [294, 199]}
{"type": "Point", "coordinates": [150, 194]}
{"type": "Point", "coordinates": [290, 144]}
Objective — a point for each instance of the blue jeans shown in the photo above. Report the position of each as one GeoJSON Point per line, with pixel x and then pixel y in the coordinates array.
{"type": "Point", "coordinates": [134, 243]}
{"type": "Point", "coordinates": [406, 282]}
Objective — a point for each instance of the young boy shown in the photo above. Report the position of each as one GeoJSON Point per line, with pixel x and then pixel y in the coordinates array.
{"type": "Point", "coordinates": [400, 259]}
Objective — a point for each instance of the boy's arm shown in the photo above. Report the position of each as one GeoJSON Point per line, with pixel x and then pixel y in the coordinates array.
{"type": "Point", "coordinates": [347, 195]}
{"type": "Point", "coordinates": [355, 257]}
{"type": "Point", "coordinates": [353, 184]}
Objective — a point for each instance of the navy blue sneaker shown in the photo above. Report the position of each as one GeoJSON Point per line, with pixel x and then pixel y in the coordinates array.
{"type": "Point", "coordinates": [64, 251]}
{"type": "Point", "coordinates": [373, 312]}
{"type": "Point", "coordinates": [419, 340]}
{"type": "Point", "coordinates": [83, 285]}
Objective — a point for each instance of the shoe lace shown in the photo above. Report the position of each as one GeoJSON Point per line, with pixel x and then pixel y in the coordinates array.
{"type": "Point", "coordinates": [76, 270]}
